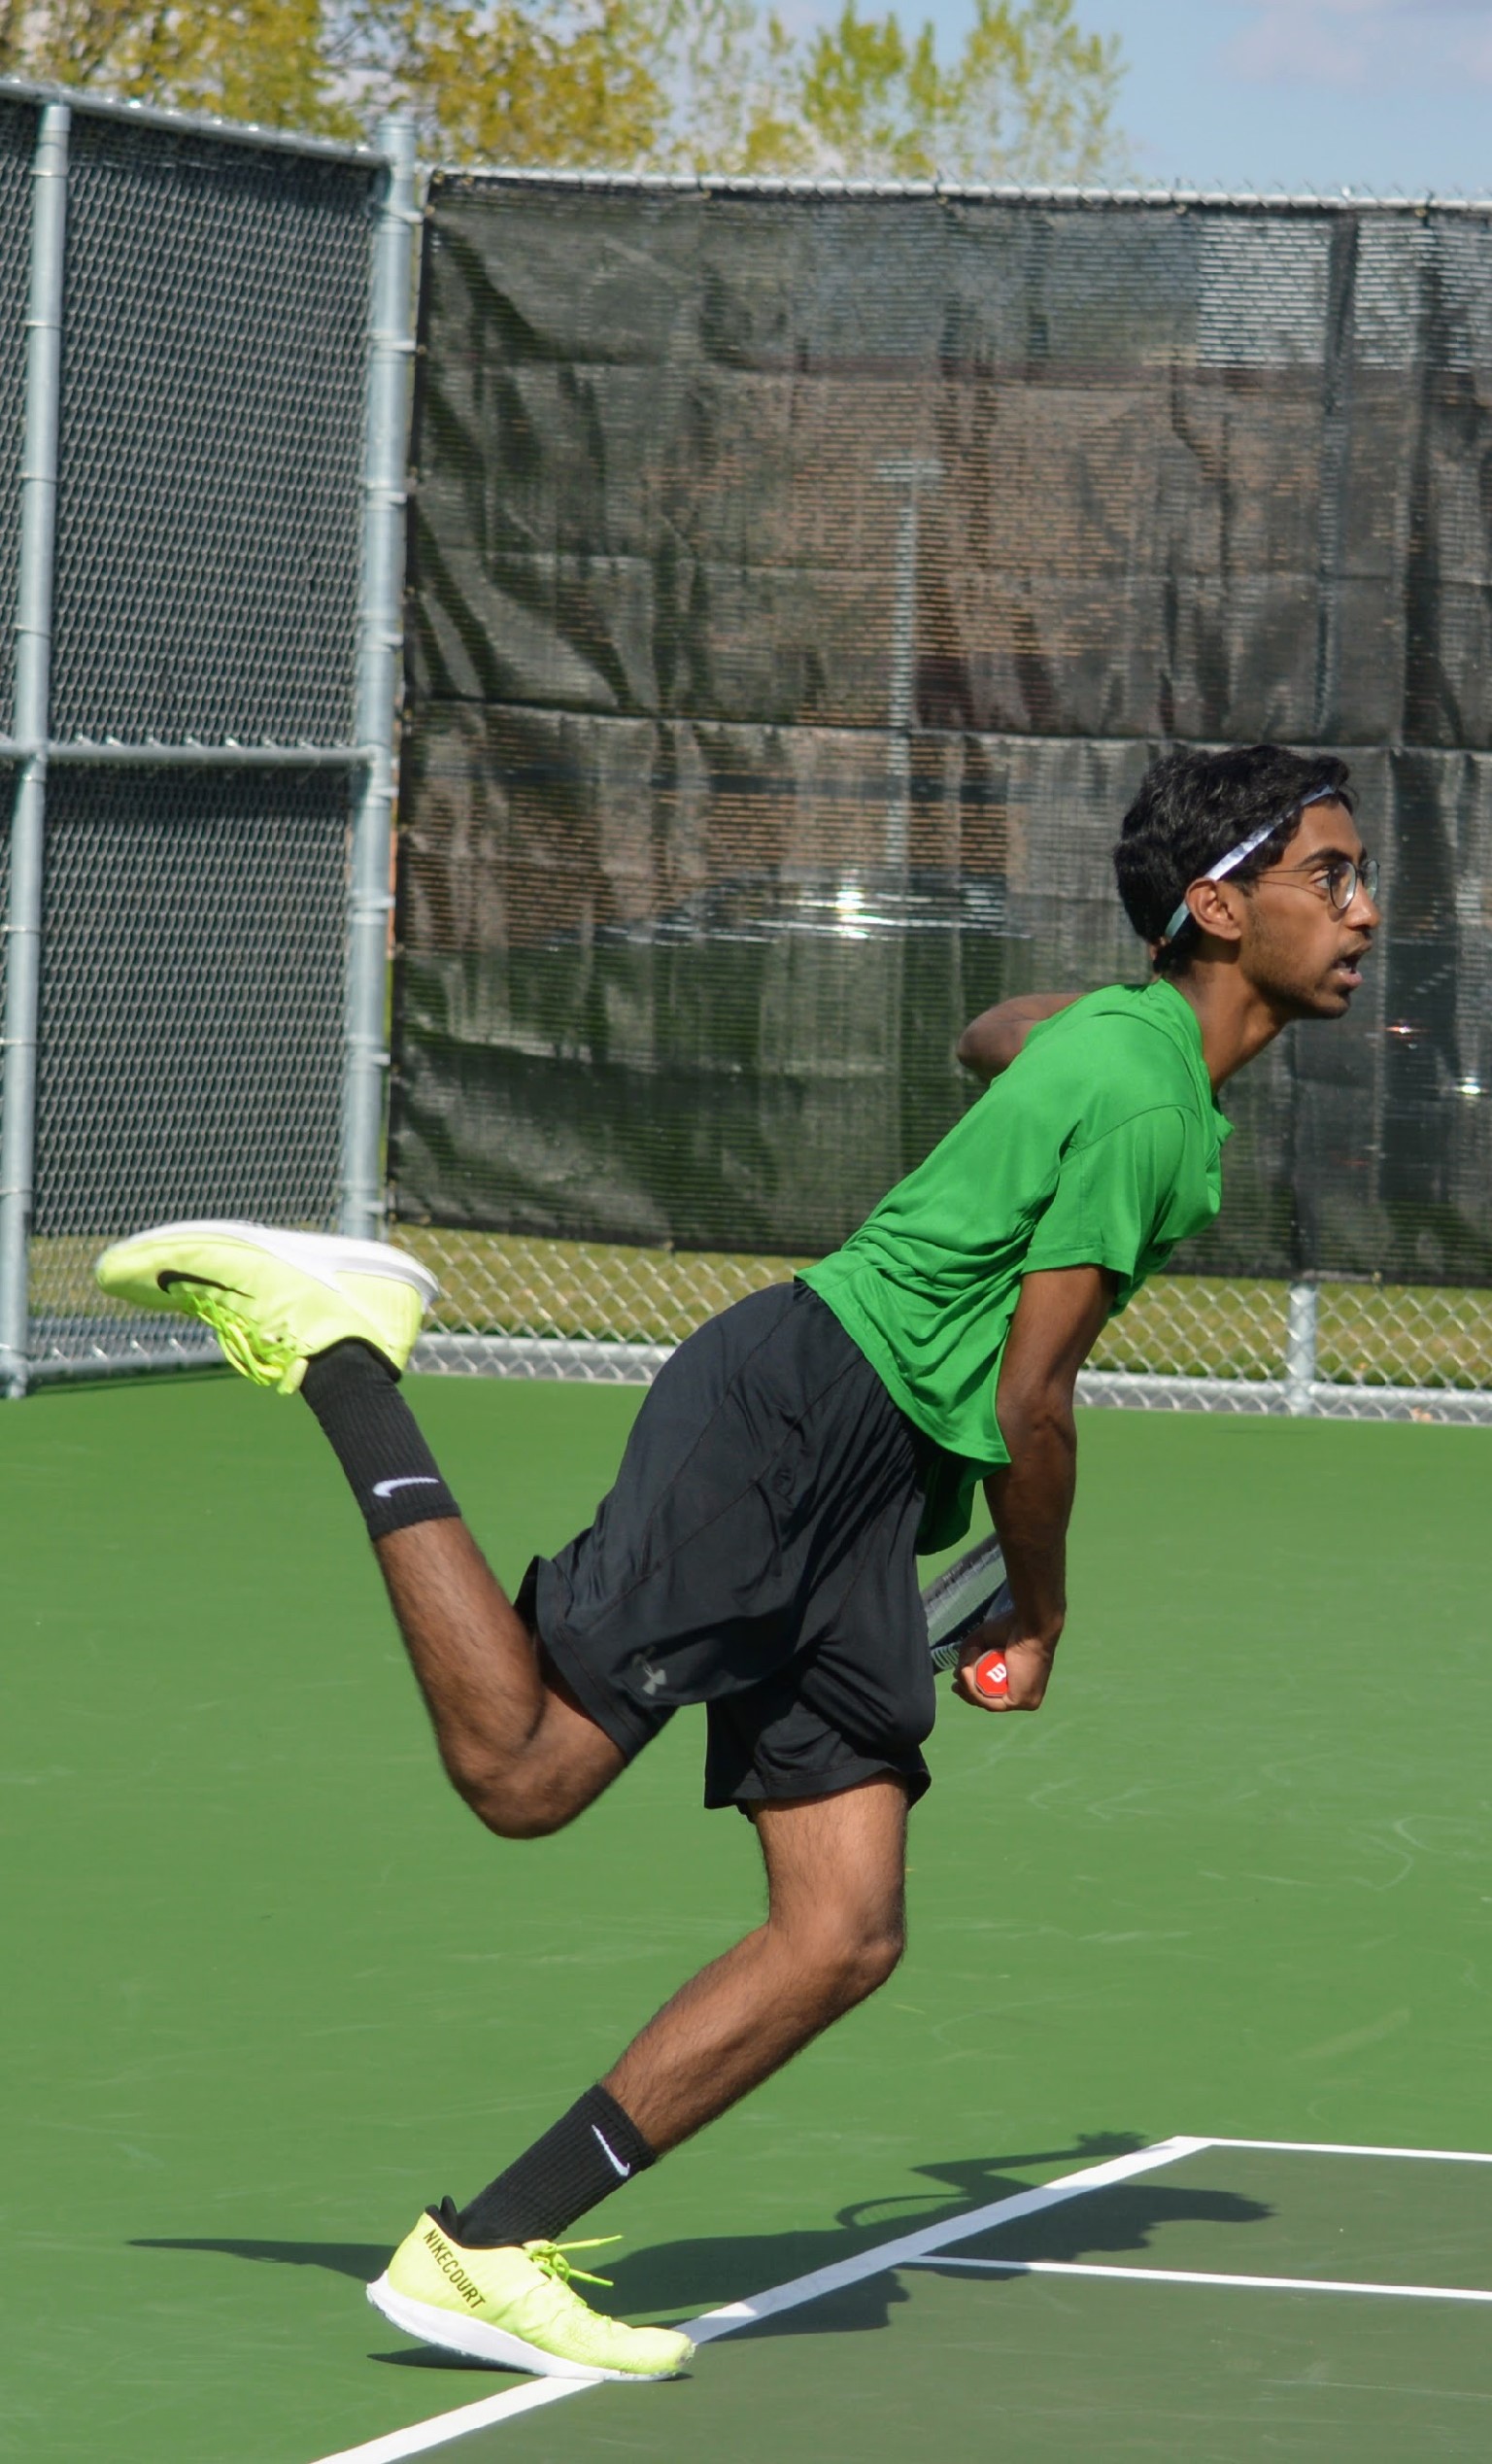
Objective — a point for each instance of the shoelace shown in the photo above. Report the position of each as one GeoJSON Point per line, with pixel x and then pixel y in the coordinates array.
{"type": "Point", "coordinates": [260, 1358]}
{"type": "Point", "coordinates": [548, 2257]}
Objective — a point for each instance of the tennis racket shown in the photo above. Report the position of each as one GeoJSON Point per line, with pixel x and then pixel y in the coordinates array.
{"type": "Point", "coordinates": [958, 1601]}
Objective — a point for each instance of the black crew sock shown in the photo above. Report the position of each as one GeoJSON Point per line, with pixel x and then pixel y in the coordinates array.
{"type": "Point", "coordinates": [591, 2151]}
{"type": "Point", "coordinates": [354, 1393]}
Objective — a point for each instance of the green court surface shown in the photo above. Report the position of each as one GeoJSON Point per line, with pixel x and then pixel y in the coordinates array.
{"type": "Point", "coordinates": [270, 1988]}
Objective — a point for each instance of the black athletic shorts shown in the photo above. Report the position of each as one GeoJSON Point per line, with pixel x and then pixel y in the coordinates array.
{"type": "Point", "coordinates": [758, 1554]}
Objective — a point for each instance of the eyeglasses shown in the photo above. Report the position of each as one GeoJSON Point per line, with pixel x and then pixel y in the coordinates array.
{"type": "Point", "coordinates": [1340, 880]}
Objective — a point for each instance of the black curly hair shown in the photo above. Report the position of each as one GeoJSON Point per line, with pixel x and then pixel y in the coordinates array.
{"type": "Point", "coordinates": [1192, 807]}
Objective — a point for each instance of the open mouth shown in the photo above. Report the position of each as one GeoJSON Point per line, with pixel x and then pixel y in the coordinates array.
{"type": "Point", "coordinates": [1347, 971]}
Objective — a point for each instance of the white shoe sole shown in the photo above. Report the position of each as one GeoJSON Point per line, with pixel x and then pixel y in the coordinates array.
{"type": "Point", "coordinates": [324, 1256]}
{"type": "Point", "coordinates": [480, 2343]}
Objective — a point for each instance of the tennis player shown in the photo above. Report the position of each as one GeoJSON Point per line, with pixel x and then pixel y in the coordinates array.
{"type": "Point", "coordinates": [758, 1551]}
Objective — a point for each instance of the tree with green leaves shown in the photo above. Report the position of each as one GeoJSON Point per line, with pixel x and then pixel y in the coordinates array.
{"type": "Point", "coordinates": [274, 61]}
{"type": "Point", "coordinates": [1030, 98]}
{"type": "Point", "coordinates": [625, 85]}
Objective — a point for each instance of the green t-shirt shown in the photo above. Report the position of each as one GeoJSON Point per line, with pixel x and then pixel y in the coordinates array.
{"type": "Point", "coordinates": [1099, 1147]}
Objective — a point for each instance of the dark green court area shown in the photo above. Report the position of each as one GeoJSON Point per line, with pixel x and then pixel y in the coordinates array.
{"type": "Point", "coordinates": [1056, 2369]}
{"type": "Point", "coordinates": [271, 1989]}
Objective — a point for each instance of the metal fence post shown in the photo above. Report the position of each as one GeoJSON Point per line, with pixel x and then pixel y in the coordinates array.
{"type": "Point", "coordinates": [33, 686]}
{"type": "Point", "coordinates": [1301, 1350]}
{"type": "Point", "coordinates": [392, 343]}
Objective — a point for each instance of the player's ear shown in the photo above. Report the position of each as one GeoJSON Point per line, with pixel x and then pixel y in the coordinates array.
{"type": "Point", "coordinates": [1217, 909]}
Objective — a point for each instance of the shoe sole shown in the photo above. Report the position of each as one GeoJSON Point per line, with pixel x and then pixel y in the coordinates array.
{"type": "Point", "coordinates": [322, 1255]}
{"type": "Point", "coordinates": [478, 2341]}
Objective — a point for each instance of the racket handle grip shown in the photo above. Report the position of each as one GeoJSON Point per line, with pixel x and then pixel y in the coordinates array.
{"type": "Point", "coordinates": [991, 1677]}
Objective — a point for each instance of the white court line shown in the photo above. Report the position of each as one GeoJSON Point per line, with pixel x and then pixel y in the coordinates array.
{"type": "Point", "coordinates": [1191, 2276]}
{"type": "Point", "coordinates": [1330, 2147]}
{"type": "Point", "coordinates": [908, 2246]}
{"type": "Point", "coordinates": [936, 2236]}
{"type": "Point", "coordinates": [445, 2426]}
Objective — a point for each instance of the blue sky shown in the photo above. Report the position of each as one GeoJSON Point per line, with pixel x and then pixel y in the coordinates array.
{"type": "Point", "coordinates": [1372, 94]}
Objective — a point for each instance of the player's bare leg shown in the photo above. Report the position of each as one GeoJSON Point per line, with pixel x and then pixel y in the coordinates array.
{"type": "Point", "coordinates": [835, 1930]}
{"type": "Point", "coordinates": [522, 1755]}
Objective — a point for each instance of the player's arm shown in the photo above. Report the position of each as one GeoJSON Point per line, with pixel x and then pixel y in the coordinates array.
{"type": "Point", "coordinates": [1058, 1318]}
{"type": "Point", "coordinates": [990, 1043]}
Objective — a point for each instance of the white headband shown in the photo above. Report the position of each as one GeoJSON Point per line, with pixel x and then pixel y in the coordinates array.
{"type": "Point", "coordinates": [1237, 855]}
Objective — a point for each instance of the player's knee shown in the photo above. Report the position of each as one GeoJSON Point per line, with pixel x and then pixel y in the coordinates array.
{"type": "Point", "coordinates": [527, 1819]}
{"type": "Point", "coordinates": [878, 1955]}
{"type": "Point", "coordinates": [512, 1806]}
{"type": "Point", "coordinates": [853, 1957]}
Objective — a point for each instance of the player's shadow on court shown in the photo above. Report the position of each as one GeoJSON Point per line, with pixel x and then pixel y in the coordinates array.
{"type": "Point", "coordinates": [678, 2279]}
{"type": "Point", "coordinates": [790, 2253]}
{"type": "Point", "coordinates": [360, 2260]}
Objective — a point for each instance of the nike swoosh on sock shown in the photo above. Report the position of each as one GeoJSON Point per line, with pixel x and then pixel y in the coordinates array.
{"type": "Point", "coordinates": [612, 2158]}
{"type": "Point", "coordinates": [410, 1479]}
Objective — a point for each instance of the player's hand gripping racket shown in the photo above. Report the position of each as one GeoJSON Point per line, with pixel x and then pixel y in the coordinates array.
{"type": "Point", "coordinates": [961, 1600]}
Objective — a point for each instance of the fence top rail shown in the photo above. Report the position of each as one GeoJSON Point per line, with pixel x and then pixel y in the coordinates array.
{"type": "Point", "coordinates": [185, 124]}
{"type": "Point", "coordinates": [954, 192]}
{"type": "Point", "coordinates": [115, 752]}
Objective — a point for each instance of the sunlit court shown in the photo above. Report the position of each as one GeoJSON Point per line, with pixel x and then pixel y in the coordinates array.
{"type": "Point", "coordinates": [274, 1988]}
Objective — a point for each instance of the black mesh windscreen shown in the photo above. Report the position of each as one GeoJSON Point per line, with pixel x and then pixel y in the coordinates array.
{"type": "Point", "coordinates": [800, 585]}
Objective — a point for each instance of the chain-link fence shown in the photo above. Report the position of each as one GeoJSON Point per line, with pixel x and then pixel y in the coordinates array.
{"type": "Point", "coordinates": [800, 581]}
{"type": "Point", "coordinates": [513, 1307]}
{"type": "Point", "coordinates": [202, 430]}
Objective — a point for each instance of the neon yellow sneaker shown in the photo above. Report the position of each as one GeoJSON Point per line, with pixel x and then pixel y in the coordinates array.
{"type": "Point", "coordinates": [516, 2307]}
{"type": "Point", "coordinates": [273, 1298]}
